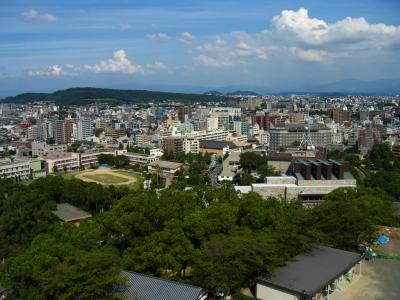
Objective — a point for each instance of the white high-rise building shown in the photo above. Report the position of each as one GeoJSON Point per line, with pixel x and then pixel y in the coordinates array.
{"type": "Point", "coordinates": [84, 129]}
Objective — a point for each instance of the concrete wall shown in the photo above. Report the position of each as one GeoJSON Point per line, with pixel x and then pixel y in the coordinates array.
{"type": "Point", "coordinates": [267, 293]}
{"type": "Point", "coordinates": [281, 180]}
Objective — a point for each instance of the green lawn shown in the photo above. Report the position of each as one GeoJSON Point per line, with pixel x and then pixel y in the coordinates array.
{"type": "Point", "coordinates": [105, 178]}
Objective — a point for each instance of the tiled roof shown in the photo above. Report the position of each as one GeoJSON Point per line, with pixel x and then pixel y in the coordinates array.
{"type": "Point", "coordinates": [143, 287]}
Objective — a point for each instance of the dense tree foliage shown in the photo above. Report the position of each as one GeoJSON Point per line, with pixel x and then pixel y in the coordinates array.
{"type": "Point", "coordinates": [55, 266]}
{"type": "Point", "coordinates": [349, 217]}
{"type": "Point", "coordinates": [108, 159]}
{"type": "Point", "coordinates": [88, 196]}
{"type": "Point", "coordinates": [381, 157]}
{"type": "Point", "coordinates": [348, 155]}
{"type": "Point", "coordinates": [214, 238]}
{"type": "Point", "coordinates": [251, 161]}
{"type": "Point", "coordinates": [24, 214]}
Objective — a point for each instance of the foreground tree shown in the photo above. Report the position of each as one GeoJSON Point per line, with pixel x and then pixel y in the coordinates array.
{"type": "Point", "coordinates": [24, 215]}
{"type": "Point", "coordinates": [230, 262]}
{"type": "Point", "coordinates": [53, 268]}
{"type": "Point", "coordinates": [349, 217]}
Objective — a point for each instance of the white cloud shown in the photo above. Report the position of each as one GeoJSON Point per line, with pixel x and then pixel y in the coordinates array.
{"type": "Point", "coordinates": [310, 54]}
{"type": "Point", "coordinates": [54, 70]}
{"type": "Point", "coordinates": [299, 27]}
{"type": "Point", "coordinates": [158, 36]}
{"type": "Point", "coordinates": [295, 34]}
{"type": "Point", "coordinates": [213, 62]}
{"type": "Point", "coordinates": [120, 64]}
{"type": "Point", "coordinates": [235, 49]}
{"type": "Point", "coordinates": [33, 16]}
{"type": "Point", "coordinates": [187, 37]}
{"type": "Point", "coordinates": [123, 26]}
{"type": "Point", "coordinates": [157, 65]}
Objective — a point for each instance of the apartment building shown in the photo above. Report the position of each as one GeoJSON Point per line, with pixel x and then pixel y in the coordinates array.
{"type": "Point", "coordinates": [42, 148]}
{"type": "Point", "coordinates": [191, 145]}
{"type": "Point", "coordinates": [215, 135]}
{"type": "Point", "coordinates": [339, 115]}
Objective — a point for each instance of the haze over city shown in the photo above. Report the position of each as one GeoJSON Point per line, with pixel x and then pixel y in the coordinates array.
{"type": "Point", "coordinates": [269, 46]}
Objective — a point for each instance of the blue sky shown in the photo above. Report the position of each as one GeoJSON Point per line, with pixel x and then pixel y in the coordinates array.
{"type": "Point", "coordinates": [280, 45]}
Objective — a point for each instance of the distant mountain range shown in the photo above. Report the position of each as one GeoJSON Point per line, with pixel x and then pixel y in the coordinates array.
{"type": "Point", "coordinates": [342, 87]}
{"type": "Point", "coordinates": [85, 95]}
{"type": "Point", "coordinates": [236, 93]}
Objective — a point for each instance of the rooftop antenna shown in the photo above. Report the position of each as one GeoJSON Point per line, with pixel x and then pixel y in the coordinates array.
{"type": "Point", "coordinates": [306, 142]}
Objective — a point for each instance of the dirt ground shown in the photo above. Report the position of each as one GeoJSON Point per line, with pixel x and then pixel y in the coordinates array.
{"type": "Point", "coordinates": [108, 171]}
{"type": "Point", "coordinates": [380, 278]}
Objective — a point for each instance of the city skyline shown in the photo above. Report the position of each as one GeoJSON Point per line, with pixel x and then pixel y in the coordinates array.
{"type": "Point", "coordinates": [283, 46]}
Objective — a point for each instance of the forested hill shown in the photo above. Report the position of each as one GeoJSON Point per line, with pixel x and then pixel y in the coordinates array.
{"type": "Point", "coordinates": [85, 95]}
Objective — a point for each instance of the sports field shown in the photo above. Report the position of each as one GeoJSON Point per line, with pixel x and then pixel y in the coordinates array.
{"type": "Point", "coordinates": [108, 177]}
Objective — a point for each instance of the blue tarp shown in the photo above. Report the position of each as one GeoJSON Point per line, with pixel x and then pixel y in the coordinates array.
{"type": "Point", "coordinates": [383, 239]}
{"type": "Point", "coordinates": [103, 166]}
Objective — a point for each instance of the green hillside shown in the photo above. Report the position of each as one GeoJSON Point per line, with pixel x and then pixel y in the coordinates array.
{"type": "Point", "coordinates": [83, 96]}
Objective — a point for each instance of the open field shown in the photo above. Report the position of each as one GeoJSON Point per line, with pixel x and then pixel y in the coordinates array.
{"type": "Point", "coordinates": [108, 177]}
{"type": "Point", "coordinates": [105, 178]}
{"type": "Point", "coordinates": [379, 280]}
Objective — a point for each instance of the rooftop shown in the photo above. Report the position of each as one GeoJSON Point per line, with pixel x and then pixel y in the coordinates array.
{"type": "Point", "coordinates": [166, 164]}
{"type": "Point", "coordinates": [210, 144]}
{"type": "Point", "coordinates": [69, 213]}
{"type": "Point", "coordinates": [144, 287]}
{"type": "Point", "coordinates": [309, 273]}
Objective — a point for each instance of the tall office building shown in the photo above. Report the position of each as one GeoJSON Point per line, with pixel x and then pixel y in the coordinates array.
{"type": "Point", "coordinates": [59, 132]}
{"type": "Point", "coordinates": [289, 134]}
{"type": "Point", "coordinates": [184, 113]}
{"type": "Point", "coordinates": [262, 119]}
{"type": "Point", "coordinates": [84, 128]}
{"type": "Point", "coordinates": [339, 115]}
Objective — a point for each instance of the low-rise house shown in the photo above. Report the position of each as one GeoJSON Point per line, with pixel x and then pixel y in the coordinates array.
{"type": "Point", "coordinates": [144, 287]}
{"type": "Point", "coordinates": [166, 167]}
{"type": "Point", "coordinates": [218, 148]}
{"type": "Point", "coordinates": [141, 159]}
{"type": "Point", "coordinates": [230, 167]}
{"type": "Point", "coordinates": [311, 275]}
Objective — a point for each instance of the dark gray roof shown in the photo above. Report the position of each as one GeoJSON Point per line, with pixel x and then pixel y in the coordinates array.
{"type": "Point", "coordinates": [211, 144]}
{"type": "Point", "coordinates": [68, 213]}
{"type": "Point", "coordinates": [397, 207]}
{"type": "Point", "coordinates": [2, 290]}
{"type": "Point", "coordinates": [309, 273]}
{"type": "Point", "coordinates": [143, 287]}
